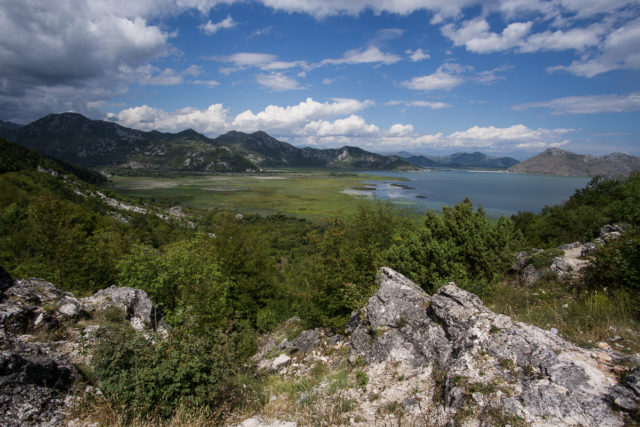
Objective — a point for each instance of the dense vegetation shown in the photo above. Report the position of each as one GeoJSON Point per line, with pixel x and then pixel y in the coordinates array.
{"type": "Point", "coordinates": [602, 201]}
{"type": "Point", "coordinates": [220, 277]}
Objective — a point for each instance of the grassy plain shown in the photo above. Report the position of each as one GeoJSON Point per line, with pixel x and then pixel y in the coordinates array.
{"type": "Point", "coordinates": [304, 193]}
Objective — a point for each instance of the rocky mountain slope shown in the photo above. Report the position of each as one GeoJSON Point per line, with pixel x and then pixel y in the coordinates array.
{"type": "Point", "coordinates": [560, 162]}
{"type": "Point", "coordinates": [461, 160]}
{"type": "Point", "coordinates": [95, 143]}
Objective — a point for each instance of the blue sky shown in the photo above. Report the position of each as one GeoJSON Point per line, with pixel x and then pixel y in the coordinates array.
{"type": "Point", "coordinates": [505, 77]}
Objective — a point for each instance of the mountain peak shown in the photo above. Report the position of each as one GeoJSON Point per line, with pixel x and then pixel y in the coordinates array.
{"type": "Point", "coordinates": [556, 161]}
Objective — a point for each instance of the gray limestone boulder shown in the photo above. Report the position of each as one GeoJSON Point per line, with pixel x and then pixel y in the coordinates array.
{"type": "Point", "coordinates": [486, 359]}
{"type": "Point", "coordinates": [34, 381]}
{"type": "Point", "coordinates": [135, 304]}
{"type": "Point", "coordinates": [305, 341]}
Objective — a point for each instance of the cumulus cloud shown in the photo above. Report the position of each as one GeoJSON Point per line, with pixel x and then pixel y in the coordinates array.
{"type": "Point", "coordinates": [590, 104]}
{"type": "Point", "coordinates": [417, 55]}
{"type": "Point", "coordinates": [54, 48]}
{"type": "Point", "coordinates": [577, 39]}
{"type": "Point", "coordinates": [278, 82]}
{"type": "Point", "coordinates": [618, 51]}
{"type": "Point", "coordinates": [371, 54]}
{"type": "Point", "coordinates": [334, 124]}
{"type": "Point", "coordinates": [323, 8]}
{"type": "Point", "coordinates": [210, 28]}
{"type": "Point", "coordinates": [446, 77]}
{"type": "Point", "coordinates": [476, 36]}
{"type": "Point", "coordinates": [353, 126]}
{"type": "Point", "coordinates": [212, 120]}
{"type": "Point", "coordinates": [289, 118]}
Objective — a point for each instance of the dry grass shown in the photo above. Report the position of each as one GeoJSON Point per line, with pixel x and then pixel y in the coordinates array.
{"type": "Point", "coordinates": [107, 412]}
{"type": "Point", "coordinates": [584, 317]}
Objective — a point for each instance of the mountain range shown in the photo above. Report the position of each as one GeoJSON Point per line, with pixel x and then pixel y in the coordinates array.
{"type": "Point", "coordinates": [73, 138]}
{"type": "Point", "coordinates": [560, 162]}
{"type": "Point", "coordinates": [459, 160]}
{"type": "Point", "coordinates": [95, 143]}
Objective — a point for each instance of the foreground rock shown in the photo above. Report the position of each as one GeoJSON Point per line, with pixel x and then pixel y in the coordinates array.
{"type": "Point", "coordinates": [45, 331]}
{"type": "Point", "coordinates": [484, 367]}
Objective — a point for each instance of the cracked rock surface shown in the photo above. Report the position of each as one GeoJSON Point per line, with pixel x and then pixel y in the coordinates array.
{"type": "Point", "coordinates": [488, 365]}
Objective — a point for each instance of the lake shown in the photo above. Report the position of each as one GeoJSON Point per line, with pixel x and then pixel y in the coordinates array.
{"type": "Point", "coordinates": [499, 193]}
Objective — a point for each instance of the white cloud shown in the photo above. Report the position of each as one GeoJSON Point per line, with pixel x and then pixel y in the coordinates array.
{"type": "Point", "coordinates": [323, 8]}
{"type": "Point", "coordinates": [210, 28]}
{"type": "Point", "coordinates": [207, 83]}
{"type": "Point", "coordinates": [430, 104]}
{"type": "Point", "coordinates": [354, 126]}
{"type": "Point", "coordinates": [422, 104]}
{"type": "Point", "coordinates": [282, 119]}
{"type": "Point", "coordinates": [577, 39]}
{"type": "Point", "coordinates": [212, 120]}
{"type": "Point", "coordinates": [590, 104]}
{"type": "Point", "coordinates": [263, 61]}
{"type": "Point", "coordinates": [278, 82]}
{"type": "Point", "coordinates": [417, 55]}
{"type": "Point", "coordinates": [490, 136]}
{"type": "Point", "coordinates": [262, 31]}
{"type": "Point", "coordinates": [399, 129]}
{"type": "Point", "coordinates": [476, 37]}
{"type": "Point", "coordinates": [358, 56]}
{"type": "Point", "coordinates": [619, 51]}
{"type": "Point", "coordinates": [446, 77]}
{"type": "Point", "coordinates": [334, 124]}
{"type": "Point", "coordinates": [247, 59]}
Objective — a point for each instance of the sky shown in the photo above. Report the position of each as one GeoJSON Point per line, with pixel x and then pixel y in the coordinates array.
{"type": "Point", "coordinates": [504, 77]}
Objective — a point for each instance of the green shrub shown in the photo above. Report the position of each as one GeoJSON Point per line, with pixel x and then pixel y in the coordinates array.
{"type": "Point", "coordinates": [545, 258]}
{"type": "Point", "coordinates": [153, 379]}
{"type": "Point", "coordinates": [602, 201]}
{"type": "Point", "coordinates": [461, 246]}
{"type": "Point", "coordinates": [616, 267]}
{"type": "Point", "coordinates": [266, 320]}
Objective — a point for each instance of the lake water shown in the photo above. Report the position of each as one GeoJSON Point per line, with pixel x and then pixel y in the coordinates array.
{"type": "Point", "coordinates": [497, 192]}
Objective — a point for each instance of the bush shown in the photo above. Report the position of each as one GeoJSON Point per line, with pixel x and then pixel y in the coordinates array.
{"type": "Point", "coordinates": [154, 379]}
{"type": "Point", "coordinates": [266, 320]}
{"type": "Point", "coordinates": [616, 266]}
{"type": "Point", "coordinates": [340, 277]}
{"type": "Point", "coordinates": [602, 201]}
{"type": "Point", "coordinates": [461, 246]}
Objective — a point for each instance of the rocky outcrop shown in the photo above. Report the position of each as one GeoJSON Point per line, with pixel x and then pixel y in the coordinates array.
{"type": "Point", "coordinates": [483, 365]}
{"type": "Point", "coordinates": [45, 331]}
{"type": "Point", "coordinates": [568, 266]}
{"type": "Point", "coordinates": [34, 382]}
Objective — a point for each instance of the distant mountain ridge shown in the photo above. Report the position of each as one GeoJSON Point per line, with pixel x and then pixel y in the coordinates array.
{"type": "Point", "coordinates": [561, 162]}
{"type": "Point", "coordinates": [9, 130]}
{"type": "Point", "coordinates": [460, 160]}
{"type": "Point", "coordinates": [95, 143]}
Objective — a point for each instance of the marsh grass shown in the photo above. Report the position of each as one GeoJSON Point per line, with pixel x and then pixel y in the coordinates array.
{"type": "Point", "coordinates": [309, 194]}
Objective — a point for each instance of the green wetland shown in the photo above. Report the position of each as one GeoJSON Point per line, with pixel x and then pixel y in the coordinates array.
{"type": "Point", "coordinates": [315, 193]}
